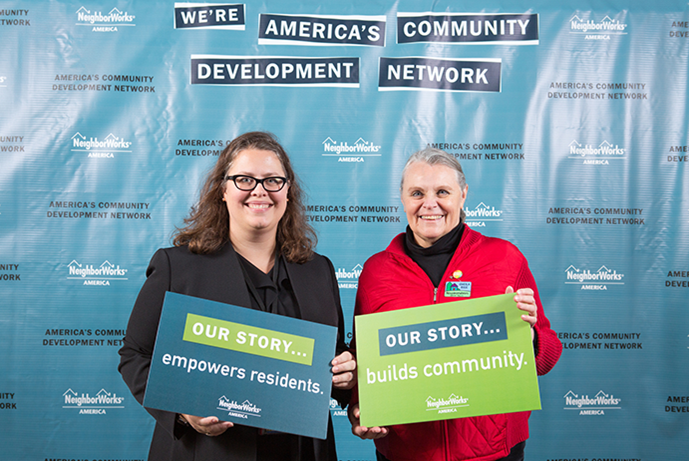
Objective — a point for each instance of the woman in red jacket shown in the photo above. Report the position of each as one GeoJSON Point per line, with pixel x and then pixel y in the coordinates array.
{"type": "Point", "coordinates": [436, 248]}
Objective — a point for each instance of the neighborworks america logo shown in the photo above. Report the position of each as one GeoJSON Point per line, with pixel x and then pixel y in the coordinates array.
{"type": "Point", "coordinates": [96, 405]}
{"type": "Point", "coordinates": [592, 30]}
{"type": "Point", "coordinates": [350, 153]}
{"type": "Point", "coordinates": [598, 280]}
{"type": "Point", "coordinates": [596, 155]}
{"type": "Point", "coordinates": [104, 22]}
{"type": "Point", "coordinates": [238, 410]}
{"type": "Point", "coordinates": [336, 409]}
{"type": "Point", "coordinates": [482, 214]}
{"type": "Point", "coordinates": [448, 405]}
{"type": "Point", "coordinates": [348, 279]}
{"type": "Point", "coordinates": [107, 148]}
{"type": "Point", "coordinates": [591, 406]}
{"type": "Point", "coordinates": [101, 275]}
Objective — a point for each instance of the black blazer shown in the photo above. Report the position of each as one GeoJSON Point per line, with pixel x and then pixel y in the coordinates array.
{"type": "Point", "coordinates": [217, 277]}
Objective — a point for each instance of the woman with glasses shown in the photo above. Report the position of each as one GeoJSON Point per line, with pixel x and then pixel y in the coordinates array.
{"type": "Point", "coordinates": [245, 243]}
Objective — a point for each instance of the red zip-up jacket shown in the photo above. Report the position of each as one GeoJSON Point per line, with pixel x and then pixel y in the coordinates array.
{"type": "Point", "coordinates": [390, 280]}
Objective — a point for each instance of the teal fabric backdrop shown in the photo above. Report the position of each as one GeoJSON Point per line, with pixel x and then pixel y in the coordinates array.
{"type": "Point", "coordinates": [569, 117]}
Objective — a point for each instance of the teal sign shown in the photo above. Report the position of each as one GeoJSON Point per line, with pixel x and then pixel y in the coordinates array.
{"type": "Point", "coordinates": [242, 365]}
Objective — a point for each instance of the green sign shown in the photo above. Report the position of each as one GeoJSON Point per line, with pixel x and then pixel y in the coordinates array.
{"type": "Point", "coordinates": [445, 361]}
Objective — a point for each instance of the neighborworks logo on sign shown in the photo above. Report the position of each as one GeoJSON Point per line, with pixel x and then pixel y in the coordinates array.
{"type": "Point", "coordinates": [239, 410]}
{"type": "Point", "coordinates": [448, 405]}
{"type": "Point", "coordinates": [336, 409]}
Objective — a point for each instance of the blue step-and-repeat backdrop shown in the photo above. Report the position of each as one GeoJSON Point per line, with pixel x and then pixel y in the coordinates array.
{"type": "Point", "coordinates": [569, 117]}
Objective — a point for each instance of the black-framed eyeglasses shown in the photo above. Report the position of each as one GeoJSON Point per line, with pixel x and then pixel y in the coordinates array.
{"type": "Point", "coordinates": [249, 183]}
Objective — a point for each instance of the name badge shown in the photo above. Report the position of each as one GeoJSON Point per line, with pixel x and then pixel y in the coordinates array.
{"type": "Point", "coordinates": [458, 289]}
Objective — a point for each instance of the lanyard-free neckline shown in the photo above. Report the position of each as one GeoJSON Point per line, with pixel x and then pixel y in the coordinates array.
{"type": "Point", "coordinates": [254, 292]}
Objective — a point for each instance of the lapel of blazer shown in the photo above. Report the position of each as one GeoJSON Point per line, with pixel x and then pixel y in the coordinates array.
{"type": "Point", "coordinates": [228, 278]}
{"type": "Point", "coordinates": [302, 280]}
{"type": "Point", "coordinates": [313, 292]}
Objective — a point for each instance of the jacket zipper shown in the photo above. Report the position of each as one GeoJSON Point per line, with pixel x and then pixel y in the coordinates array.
{"type": "Point", "coordinates": [446, 442]}
{"type": "Point", "coordinates": [435, 294]}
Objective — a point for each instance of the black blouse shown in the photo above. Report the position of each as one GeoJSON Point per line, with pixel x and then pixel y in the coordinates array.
{"type": "Point", "coordinates": [273, 291]}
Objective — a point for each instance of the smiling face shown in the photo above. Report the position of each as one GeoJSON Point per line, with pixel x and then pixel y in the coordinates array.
{"type": "Point", "coordinates": [257, 211]}
{"type": "Point", "coordinates": [432, 199]}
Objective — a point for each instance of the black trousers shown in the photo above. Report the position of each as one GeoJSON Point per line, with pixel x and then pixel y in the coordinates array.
{"type": "Point", "coordinates": [516, 454]}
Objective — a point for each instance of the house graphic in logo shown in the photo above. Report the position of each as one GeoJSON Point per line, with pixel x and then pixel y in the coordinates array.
{"type": "Point", "coordinates": [604, 151]}
{"type": "Point", "coordinates": [350, 153]}
{"type": "Point", "coordinates": [479, 216]}
{"type": "Point", "coordinates": [348, 279]}
{"type": "Point", "coordinates": [448, 405]}
{"type": "Point", "coordinates": [593, 30]}
{"type": "Point", "coordinates": [238, 410]}
{"type": "Point", "coordinates": [101, 275]}
{"type": "Point", "coordinates": [591, 406]}
{"type": "Point", "coordinates": [336, 409]}
{"type": "Point", "coordinates": [104, 23]}
{"type": "Point", "coordinates": [100, 149]}
{"type": "Point", "coordinates": [593, 280]}
{"type": "Point", "coordinates": [97, 405]}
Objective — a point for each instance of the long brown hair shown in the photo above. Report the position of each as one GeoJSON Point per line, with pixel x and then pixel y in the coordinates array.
{"type": "Point", "coordinates": [208, 224]}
